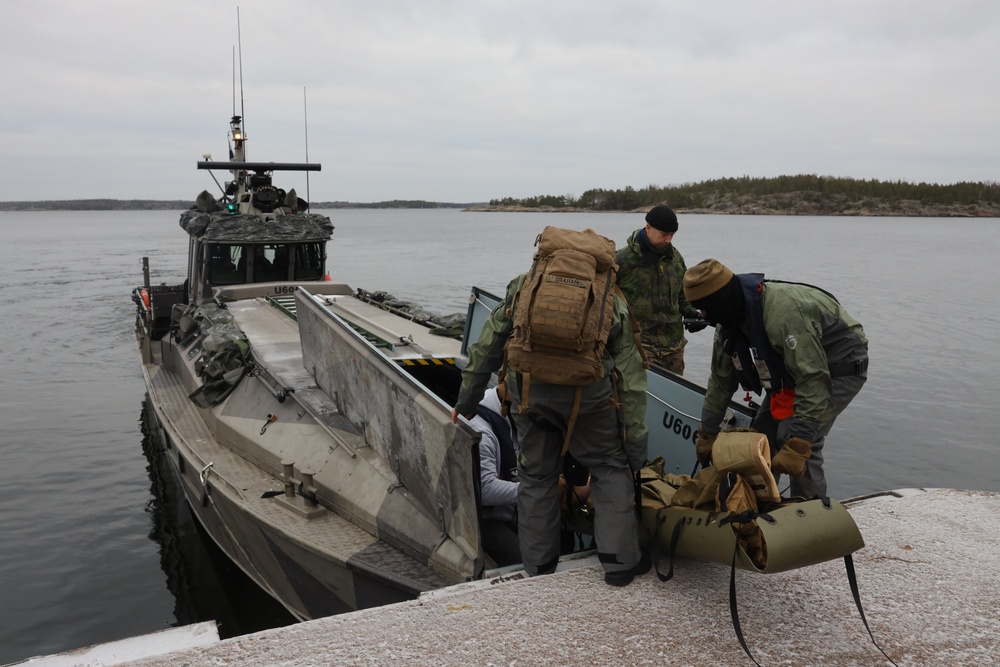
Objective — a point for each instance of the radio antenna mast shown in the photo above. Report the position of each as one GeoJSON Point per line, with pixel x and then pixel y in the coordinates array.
{"type": "Point", "coordinates": [239, 41]}
{"type": "Point", "coordinates": [305, 117]}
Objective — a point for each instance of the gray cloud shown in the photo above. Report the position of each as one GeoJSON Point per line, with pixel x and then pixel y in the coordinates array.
{"type": "Point", "coordinates": [465, 101]}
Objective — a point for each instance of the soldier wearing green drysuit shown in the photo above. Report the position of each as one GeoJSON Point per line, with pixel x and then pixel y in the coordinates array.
{"type": "Point", "coordinates": [651, 275]}
{"type": "Point", "coordinates": [596, 443]}
{"type": "Point", "coordinates": [791, 340]}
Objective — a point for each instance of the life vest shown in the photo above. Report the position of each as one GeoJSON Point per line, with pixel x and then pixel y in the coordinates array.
{"type": "Point", "coordinates": [501, 428]}
{"type": "Point", "coordinates": [757, 365]}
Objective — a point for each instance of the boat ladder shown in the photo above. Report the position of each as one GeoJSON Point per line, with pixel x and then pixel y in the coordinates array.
{"type": "Point", "coordinates": [286, 304]}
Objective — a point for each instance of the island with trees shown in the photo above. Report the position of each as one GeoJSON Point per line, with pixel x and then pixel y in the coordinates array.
{"type": "Point", "coordinates": [745, 195]}
{"type": "Point", "coordinates": [782, 195]}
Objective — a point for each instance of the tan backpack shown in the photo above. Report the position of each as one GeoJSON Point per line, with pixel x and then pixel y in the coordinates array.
{"type": "Point", "coordinates": [563, 312]}
{"type": "Point", "coordinates": [562, 315]}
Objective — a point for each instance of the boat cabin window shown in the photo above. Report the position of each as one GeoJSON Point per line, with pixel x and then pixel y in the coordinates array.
{"type": "Point", "coordinates": [309, 261]}
{"type": "Point", "coordinates": [270, 263]}
{"type": "Point", "coordinates": [226, 264]}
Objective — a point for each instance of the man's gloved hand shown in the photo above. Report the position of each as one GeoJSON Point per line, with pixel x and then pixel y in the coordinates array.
{"type": "Point", "coordinates": [703, 446]}
{"type": "Point", "coordinates": [791, 458]}
{"type": "Point", "coordinates": [694, 324]}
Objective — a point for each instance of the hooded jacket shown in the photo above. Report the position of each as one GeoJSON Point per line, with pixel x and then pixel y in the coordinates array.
{"type": "Point", "coordinates": [499, 491]}
{"type": "Point", "coordinates": [808, 330]}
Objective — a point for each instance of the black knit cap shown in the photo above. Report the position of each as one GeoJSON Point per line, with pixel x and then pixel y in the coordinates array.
{"type": "Point", "coordinates": [663, 218]}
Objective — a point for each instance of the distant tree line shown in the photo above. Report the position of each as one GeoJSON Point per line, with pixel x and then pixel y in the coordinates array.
{"type": "Point", "coordinates": [394, 203]}
{"type": "Point", "coordinates": [97, 205]}
{"type": "Point", "coordinates": [184, 204]}
{"type": "Point", "coordinates": [746, 190]}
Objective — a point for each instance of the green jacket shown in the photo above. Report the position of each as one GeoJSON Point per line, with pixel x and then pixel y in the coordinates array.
{"type": "Point", "coordinates": [486, 357]}
{"type": "Point", "coordinates": [809, 331]}
{"type": "Point", "coordinates": [653, 286]}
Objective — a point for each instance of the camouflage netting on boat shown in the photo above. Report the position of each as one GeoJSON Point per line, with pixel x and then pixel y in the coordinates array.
{"type": "Point", "coordinates": [225, 352]}
{"type": "Point", "coordinates": [222, 227]}
{"type": "Point", "coordinates": [440, 325]}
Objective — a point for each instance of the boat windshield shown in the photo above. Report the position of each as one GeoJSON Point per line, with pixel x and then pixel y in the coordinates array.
{"type": "Point", "coordinates": [270, 263]}
{"type": "Point", "coordinates": [309, 261]}
{"type": "Point", "coordinates": [233, 264]}
{"type": "Point", "coordinates": [226, 264]}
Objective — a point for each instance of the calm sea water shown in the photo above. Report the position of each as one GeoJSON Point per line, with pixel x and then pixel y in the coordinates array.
{"type": "Point", "coordinates": [94, 545]}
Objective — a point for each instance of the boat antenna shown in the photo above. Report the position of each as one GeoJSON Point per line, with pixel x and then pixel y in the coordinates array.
{"type": "Point", "coordinates": [234, 79]}
{"type": "Point", "coordinates": [305, 117]}
{"type": "Point", "coordinates": [239, 42]}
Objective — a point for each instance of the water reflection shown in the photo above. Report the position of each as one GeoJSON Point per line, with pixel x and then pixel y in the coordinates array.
{"type": "Point", "coordinates": [206, 585]}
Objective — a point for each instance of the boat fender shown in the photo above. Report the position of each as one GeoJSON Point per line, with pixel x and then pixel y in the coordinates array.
{"type": "Point", "coordinates": [144, 295]}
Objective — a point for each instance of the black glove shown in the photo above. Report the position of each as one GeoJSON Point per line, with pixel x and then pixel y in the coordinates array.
{"type": "Point", "coordinates": [694, 324]}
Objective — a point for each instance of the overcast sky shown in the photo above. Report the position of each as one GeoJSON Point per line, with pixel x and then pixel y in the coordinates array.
{"type": "Point", "coordinates": [463, 101]}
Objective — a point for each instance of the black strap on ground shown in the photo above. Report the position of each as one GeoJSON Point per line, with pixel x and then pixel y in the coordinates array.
{"type": "Point", "coordinates": [673, 547]}
{"type": "Point", "coordinates": [732, 606]}
{"type": "Point", "coordinates": [853, 579]}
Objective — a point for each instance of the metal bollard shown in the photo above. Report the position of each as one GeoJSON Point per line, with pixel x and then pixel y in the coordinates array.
{"type": "Point", "coordinates": [308, 490]}
{"type": "Point", "coordinates": [289, 475]}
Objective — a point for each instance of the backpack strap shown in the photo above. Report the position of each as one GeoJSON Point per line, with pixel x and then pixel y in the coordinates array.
{"type": "Point", "coordinates": [502, 391]}
{"type": "Point", "coordinates": [610, 284]}
{"type": "Point", "coordinates": [524, 385]}
{"type": "Point", "coordinates": [574, 413]}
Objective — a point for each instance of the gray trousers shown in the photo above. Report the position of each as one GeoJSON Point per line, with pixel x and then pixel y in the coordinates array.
{"type": "Point", "coordinates": [597, 444]}
{"type": "Point", "coordinates": [813, 483]}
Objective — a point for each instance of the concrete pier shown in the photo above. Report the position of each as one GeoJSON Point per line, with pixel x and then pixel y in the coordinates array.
{"type": "Point", "coordinates": [929, 578]}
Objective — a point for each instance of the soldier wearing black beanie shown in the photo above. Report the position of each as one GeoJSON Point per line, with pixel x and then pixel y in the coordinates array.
{"type": "Point", "coordinates": [663, 218]}
{"type": "Point", "coordinates": [650, 274]}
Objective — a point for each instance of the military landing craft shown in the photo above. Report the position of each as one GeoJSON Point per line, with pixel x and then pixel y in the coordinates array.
{"type": "Point", "coordinates": [308, 422]}
{"type": "Point", "coordinates": [309, 426]}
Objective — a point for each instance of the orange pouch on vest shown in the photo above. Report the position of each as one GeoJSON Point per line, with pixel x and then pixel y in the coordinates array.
{"type": "Point", "coordinates": [783, 404]}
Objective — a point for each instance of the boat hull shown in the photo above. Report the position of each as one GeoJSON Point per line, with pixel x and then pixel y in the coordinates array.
{"type": "Point", "coordinates": [312, 560]}
{"type": "Point", "coordinates": [308, 585]}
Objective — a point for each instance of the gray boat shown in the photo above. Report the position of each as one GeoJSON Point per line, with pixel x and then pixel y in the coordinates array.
{"type": "Point", "coordinates": [309, 422]}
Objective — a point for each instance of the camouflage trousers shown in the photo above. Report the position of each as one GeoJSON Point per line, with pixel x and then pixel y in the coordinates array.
{"type": "Point", "coordinates": [670, 358]}
{"type": "Point", "coordinates": [596, 443]}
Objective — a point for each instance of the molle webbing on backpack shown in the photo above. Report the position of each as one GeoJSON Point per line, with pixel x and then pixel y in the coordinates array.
{"type": "Point", "coordinates": [563, 312]}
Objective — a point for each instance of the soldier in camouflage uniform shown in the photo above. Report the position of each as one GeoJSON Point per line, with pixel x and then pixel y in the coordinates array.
{"type": "Point", "coordinates": [596, 443]}
{"type": "Point", "coordinates": [651, 274]}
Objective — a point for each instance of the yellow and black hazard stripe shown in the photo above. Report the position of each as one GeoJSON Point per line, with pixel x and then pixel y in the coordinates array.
{"type": "Point", "coordinates": [427, 362]}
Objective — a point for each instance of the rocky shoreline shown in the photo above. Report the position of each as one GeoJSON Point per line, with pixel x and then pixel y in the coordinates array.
{"type": "Point", "coordinates": [772, 206]}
